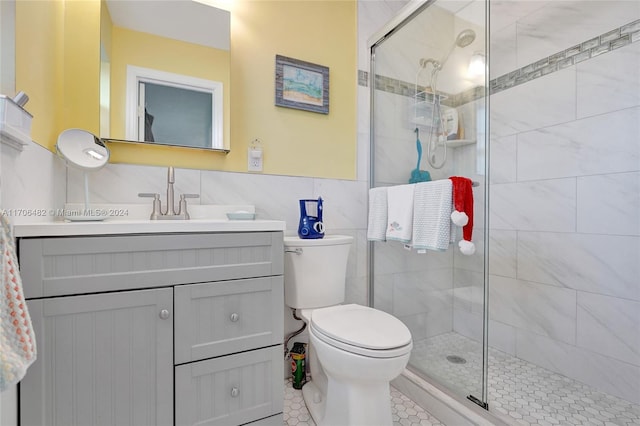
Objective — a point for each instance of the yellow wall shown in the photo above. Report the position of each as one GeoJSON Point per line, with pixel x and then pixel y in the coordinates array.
{"type": "Point", "coordinates": [295, 142]}
{"type": "Point", "coordinates": [39, 65]}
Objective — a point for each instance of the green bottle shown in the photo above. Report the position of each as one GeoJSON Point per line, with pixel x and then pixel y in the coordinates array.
{"type": "Point", "coordinates": [298, 365]}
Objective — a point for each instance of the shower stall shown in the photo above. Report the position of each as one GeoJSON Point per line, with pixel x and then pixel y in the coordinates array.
{"type": "Point", "coordinates": [537, 103]}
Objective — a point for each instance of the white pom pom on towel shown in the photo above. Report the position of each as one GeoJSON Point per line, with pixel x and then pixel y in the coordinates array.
{"type": "Point", "coordinates": [459, 218]}
{"type": "Point", "coordinates": [467, 247]}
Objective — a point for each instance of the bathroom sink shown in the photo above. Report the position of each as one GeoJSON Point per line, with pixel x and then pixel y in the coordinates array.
{"type": "Point", "coordinates": [134, 219]}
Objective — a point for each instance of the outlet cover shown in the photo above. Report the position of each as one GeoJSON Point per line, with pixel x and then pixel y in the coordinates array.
{"type": "Point", "coordinates": [254, 157]}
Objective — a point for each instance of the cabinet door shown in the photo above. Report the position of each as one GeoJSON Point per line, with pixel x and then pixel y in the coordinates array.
{"type": "Point", "coordinates": [230, 390]}
{"type": "Point", "coordinates": [219, 318]}
{"type": "Point", "coordinates": [102, 359]}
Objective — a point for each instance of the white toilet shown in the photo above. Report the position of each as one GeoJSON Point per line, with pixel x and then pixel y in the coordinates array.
{"type": "Point", "coordinates": [354, 351]}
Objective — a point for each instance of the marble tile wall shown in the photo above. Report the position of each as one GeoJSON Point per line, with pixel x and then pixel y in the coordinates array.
{"type": "Point", "coordinates": [565, 197]}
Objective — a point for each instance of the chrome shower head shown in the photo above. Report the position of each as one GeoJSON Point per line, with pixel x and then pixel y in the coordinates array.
{"type": "Point", "coordinates": [465, 38]}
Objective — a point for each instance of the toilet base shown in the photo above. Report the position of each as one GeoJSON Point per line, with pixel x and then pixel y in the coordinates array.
{"type": "Point", "coordinates": [314, 400]}
{"type": "Point", "coordinates": [357, 405]}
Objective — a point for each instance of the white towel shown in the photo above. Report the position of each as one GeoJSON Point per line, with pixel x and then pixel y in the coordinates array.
{"type": "Point", "coordinates": [400, 212]}
{"type": "Point", "coordinates": [377, 226]}
{"type": "Point", "coordinates": [17, 341]}
{"type": "Point", "coordinates": [432, 215]}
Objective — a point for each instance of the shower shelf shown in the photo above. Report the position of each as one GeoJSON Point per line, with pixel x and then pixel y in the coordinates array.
{"type": "Point", "coordinates": [457, 143]}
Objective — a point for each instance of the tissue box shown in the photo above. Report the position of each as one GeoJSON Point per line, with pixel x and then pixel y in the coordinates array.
{"type": "Point", "coordinates": [15, 124]}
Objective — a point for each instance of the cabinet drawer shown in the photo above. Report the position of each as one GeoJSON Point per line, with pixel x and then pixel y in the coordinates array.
{"type": "Point", "coordinates": [75, 265]}
{"type": "Point", "coordinates": [230, 390]}
{"type": "Point", "coordinates": [219, 318]}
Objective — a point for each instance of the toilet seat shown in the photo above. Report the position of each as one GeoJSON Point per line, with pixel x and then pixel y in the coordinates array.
{"type": "Point", "coordinates": [361, 330]}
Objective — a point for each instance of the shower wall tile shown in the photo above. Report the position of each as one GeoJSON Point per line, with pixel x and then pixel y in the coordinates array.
{"type": "Point", "coordinates": [468, 290]}
{"type": "Point", "coordinates": [391, 257]}
{"type": "Point", "coordinates": [538, 308]}
{"type": "Point", "coordinates": [610, 82]}
{"type": "Point", "coordinates": [607, 374]}
{"type": "Point", "coordinates": [505, 12]}
{"type": "Point", "coordinates": [263, 191]}
{"type": "Point", "coordinates": [373, 15]}
{"type": "Point", "coordinates": [502, 337]}
{"type": "Point", "coordinates": [362, 157]}
{"type": "Point", "coordinates": [609, 326]}
{"type": "Point", "coordinates": [609, 204]}
{"type": "Point", "coordinates": [552, 98]}
{"type": "Point", "coordinates": [383, 292]}
{"type": "Point", "coordinates": [429, 324]}
{"type": "Point", "coordinates": [503, 159]}
{"type": "Point", "coordinates": [503, 57]}
{"type": "Point", "coordinates": [467, 324]}
{"type": "Point", "coordinates": [502, 253]}
{"type": "Point", "coordinates": [412, 296]}
{"type": "Point", "coordinates": [475, 262]}
{"type": "Point", "coordinates": [344, 203]}
{"type": "Point", "coordinates": [356, 291]}
{"type": "Point", "coordinates": [121, 183]}
{"type": "Point", "coordinates": [605, 143]}
{"type": "Point", "coordinates": [548, 205]}
{"type": "Point", "coordinates": [562, 24]}
{"type": "Point", "coordinates": [602, 264]}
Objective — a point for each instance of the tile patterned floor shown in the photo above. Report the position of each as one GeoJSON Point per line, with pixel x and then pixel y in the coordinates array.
{"type": "Point", "coordinates": [521, 393]}
{"type": "Point", "coordinates": [405, 412]}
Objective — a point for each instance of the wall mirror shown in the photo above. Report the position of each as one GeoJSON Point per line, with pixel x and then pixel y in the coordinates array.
{"type": "Point", "coordinates": [165, 73]}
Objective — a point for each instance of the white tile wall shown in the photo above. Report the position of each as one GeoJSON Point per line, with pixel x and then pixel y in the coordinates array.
{"type": "Point", "coordinates": [610, 82]}
{"type": "Point", "coordinates": [603, 264]}
{"type": "Point", "coordinates": [548, 205]}
{"type": "Point", "coordinates": [609, 204]}
{"type": "Point", "coordinates": [30, 180]}
{"type": "Point", "coordinates": [603, 143]}
{"type": "Point", "coordinates": [539, 103]}
{"type": "Point", "coordinates": [565, 198]}
{"type": "Point", "coordinates": [538, 308]}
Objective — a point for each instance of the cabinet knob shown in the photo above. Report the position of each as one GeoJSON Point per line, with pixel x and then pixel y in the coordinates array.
{"type": "Point", "coordinates": [235, 392]}
{"type": "Point", "coordinates": [234, 317]}
{"type": "Point", "coordinates": [164, 314]}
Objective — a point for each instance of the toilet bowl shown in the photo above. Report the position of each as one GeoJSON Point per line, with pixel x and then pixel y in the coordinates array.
{"type": "Point", "coordinates": [354, 351]}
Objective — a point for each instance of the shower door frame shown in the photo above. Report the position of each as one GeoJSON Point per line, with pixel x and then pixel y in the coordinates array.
{"type": "Point", "coordinates": [410, 11]}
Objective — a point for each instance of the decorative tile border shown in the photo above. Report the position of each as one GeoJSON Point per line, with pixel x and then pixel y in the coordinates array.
{"type": "Point", "coordinates": [607, 42]}
{"type": "Point", "coordinates": [596, 46]}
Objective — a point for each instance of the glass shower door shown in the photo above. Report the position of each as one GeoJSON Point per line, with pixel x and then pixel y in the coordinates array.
{"type": "Point", "coordinates": [428, 120]}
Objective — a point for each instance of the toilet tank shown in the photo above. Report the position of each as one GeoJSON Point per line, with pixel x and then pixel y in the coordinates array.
{"type": "Point", "coordinates": [315, 271]}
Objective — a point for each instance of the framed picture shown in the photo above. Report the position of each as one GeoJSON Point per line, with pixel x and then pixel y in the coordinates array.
{"type": "Point", "coordinates": [302, 85]}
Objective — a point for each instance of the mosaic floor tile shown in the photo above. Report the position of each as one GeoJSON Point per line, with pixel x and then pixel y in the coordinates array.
{"type": "Point", "coordinates": [520, 393]}
{"type": "Point", "coordinates": [405, 412]}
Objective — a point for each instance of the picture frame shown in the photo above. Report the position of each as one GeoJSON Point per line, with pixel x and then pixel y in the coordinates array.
{"type": "Point", "coordinates": [302, 85]}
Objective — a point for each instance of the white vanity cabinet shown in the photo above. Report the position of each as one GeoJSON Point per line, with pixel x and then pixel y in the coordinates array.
{"type": "Point", "coordinates": [154, 329]}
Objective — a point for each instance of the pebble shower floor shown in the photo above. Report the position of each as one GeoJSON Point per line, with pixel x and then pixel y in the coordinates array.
{"type": "Point", "coordinates": [521, 393]}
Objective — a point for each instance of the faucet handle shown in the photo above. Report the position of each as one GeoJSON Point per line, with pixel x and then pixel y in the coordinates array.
{"type": "Point", "coordinates": [155, 213]}
{"type": "Point", "coordinates": [182, 208]}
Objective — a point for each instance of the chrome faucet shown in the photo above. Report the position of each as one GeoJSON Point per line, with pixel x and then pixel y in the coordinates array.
{"type": "Point", "coordinates": [170, 212]}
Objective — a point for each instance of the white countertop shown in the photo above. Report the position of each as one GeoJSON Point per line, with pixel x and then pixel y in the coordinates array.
{"type": "Point", "coordinates": [204, 219]}
{"type": "Point", "coordinates": [53, 229]}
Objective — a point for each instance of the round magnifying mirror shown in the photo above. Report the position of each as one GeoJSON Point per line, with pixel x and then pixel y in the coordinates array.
{"type": "Point", "coordinates": [82, 149]}
{"type": "Point", "coordinates": [85, 151]}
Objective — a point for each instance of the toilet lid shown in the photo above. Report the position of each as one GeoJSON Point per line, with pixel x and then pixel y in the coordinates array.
{"type": "Point", "coordinates": [361, 326]}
